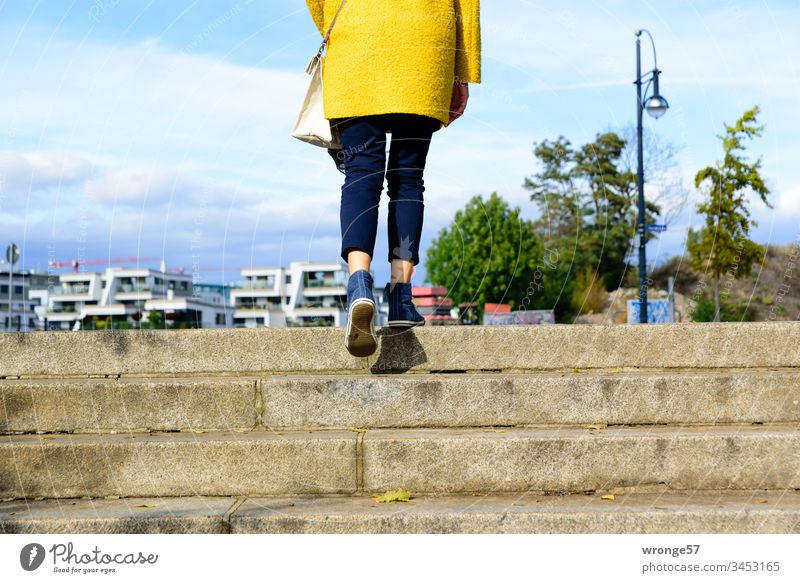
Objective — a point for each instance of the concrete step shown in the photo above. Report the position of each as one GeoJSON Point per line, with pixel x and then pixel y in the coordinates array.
{"type": "Point", "coordinates": [129, 404]}
{"type": "Point", "coordinates": [756, 512]}
{"type": "Point", "coordinates": [547, 459]}
{"type": "Point", "coordinates": [573, 459]}
{"type": "Point", "coordinates": [384, 401]}
{"type": "Point", "coordinates": [177, 464]}
{"type": "Point", "coordinates": [569, 397]}
{"type": "Point", "coordinates": [469, 348]}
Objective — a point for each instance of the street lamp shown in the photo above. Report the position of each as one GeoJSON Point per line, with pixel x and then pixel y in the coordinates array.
{"type": "Point", "coordinates": [656, 106]}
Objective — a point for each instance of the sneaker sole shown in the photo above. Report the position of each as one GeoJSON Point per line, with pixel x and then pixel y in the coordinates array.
{"type": "Point", "coordinates": [404, 323]}
{"type": "Point", "coordinates": [360, 339]}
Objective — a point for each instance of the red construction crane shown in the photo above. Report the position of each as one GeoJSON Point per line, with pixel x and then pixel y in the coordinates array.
{"type": "Point", "coordinates": [76, 263]}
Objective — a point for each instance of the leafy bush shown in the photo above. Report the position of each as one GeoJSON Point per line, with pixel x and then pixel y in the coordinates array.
{"type": "Point", "coordinates": [703, 311]}
{"type": "Point", "coordinates": [589, 293]}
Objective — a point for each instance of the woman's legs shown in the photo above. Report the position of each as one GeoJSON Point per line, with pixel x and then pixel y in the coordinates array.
{"type": "Point", "coordinates": [411, 136]}
{"type": "Point", "coordinates": [364, 153]}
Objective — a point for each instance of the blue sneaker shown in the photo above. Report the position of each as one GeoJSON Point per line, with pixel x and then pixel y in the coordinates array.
{"type": "Point", "coordinates": [402, 312]}
{"type": "Point", "coordinates": [360, 339]}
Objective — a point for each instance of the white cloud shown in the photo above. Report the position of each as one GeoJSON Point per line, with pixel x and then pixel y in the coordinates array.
{"type": "Point", "coordinates": [788, 202]}
{"type": "Point", "coordinates": [164, 136]}
{"type": "Point", "coordinates": [137, 185]}
{"type": "Point", "coordinates": [23, 172]}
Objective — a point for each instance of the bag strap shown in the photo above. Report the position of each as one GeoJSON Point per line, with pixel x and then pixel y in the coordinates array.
{"type": "Point", "coordinates": [330, 28]}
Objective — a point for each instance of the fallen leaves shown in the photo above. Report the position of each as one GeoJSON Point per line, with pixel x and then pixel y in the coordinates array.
{"type": "Point", "coordinates": [595, 426]}
{"type": "Point", "coordinates": [356, 430]}
{"type": "Point", "coordinates": [146, 505]}
{"type": "Point", "coordinates": [399, 495]}
{"type": "Point", "coordinates": [607, 497]}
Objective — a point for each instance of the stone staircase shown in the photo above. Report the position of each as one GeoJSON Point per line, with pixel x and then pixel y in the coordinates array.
{"type": "Point", "coordinates": [549, 429]}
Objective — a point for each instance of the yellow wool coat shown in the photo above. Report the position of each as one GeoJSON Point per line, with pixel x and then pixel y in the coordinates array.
{"type": "Point", "coordinates": [397, 56]}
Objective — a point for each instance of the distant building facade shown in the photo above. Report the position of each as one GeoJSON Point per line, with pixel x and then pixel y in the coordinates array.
{"type": "Point", "coordinates": [24, 288]}
{"type": "Point", "coordinates": [303, 294]}
{"type": "Point", "coordinates": [123, 297]}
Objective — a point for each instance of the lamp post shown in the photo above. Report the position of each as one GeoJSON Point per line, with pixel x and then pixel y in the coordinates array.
{"type": "Point", "coordinates": [656, 106]}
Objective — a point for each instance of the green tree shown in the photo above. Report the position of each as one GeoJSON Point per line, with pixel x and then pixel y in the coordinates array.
{"type": "Point", "coordinates": [587, 203]}
{"type": "Point", "coordinates": [487, 254]}
{"type": "Point", "coordinates": [611, 194]}
{"type": "Point", "coordinates": [155, 319]}
{"type": "Point", "coordinates": [705, 311]}
{"type": "Point", "coordinates": [723, 246]}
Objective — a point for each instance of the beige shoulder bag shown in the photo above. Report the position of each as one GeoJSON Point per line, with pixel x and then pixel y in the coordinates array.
{"type": "Point", "coordinates": [311, 125]}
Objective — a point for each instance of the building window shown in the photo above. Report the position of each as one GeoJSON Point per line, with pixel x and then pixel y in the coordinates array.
{"type": "Point", "coordinates": [184, 285]}
{"type": "Point", "coordinates": [288, 278]}
{"type": "Point", "coordinates": [17, 289]}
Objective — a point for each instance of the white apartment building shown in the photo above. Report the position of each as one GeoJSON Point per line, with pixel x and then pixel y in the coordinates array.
{"type": "Point", "coordinates": [260, 302]}
{"type": "Point", "coordinates": [124, 297]}
{"type": "Point", "coordinates": [20, 291]}
{"type": "Point", "coordinates": [304, 294]}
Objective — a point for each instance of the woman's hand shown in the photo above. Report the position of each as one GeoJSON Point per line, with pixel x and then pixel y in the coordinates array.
{"type": "Point", "coordinates": [458, 101]}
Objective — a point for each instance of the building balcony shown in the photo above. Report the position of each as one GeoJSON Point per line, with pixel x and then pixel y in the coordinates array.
{"type": "Point", "coordinates": [320, 291]}
{"type": "Point", "coordinates": [326, 282]}
{"type": "Point", "coordinates": [243, 293]}
{"type": "Point", "coordinates": [268, 285]}
{"type": "Point", "coordinates": [62, 316]}
{"type": "Point", "coordinates": [135, 288]}
{"type": "Point", "coordinates": [71, 297]}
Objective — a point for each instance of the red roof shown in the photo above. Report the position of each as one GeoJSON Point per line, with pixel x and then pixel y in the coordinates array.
{"type": "Point", "coordinates": [428, 291]}
{"type": "Point", "coordinates": [430, 301]}
{"type": "Point", "coordinates": [497, 308]}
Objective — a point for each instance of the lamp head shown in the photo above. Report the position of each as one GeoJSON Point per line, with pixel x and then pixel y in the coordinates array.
{"type": "Point", "coordinates": [656, 106]}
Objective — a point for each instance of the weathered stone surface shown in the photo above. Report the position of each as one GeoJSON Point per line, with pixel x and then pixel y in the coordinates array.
{"type": "Point", "coordinates": [156, 404]}
{"type": "Point", "coordinates": [177, 464]}
{"type": "Point", "coordinates": [196, 514]}
{"type": "Point", "coordinates": [570, 459]}
{"type": "Point", "coordinates": [472, 400]}
{"type": "Point", "coordinates": [728, 512]}
{"type": "Point", "coordinates": [704, 345]}
{"type": "Point", "coordinates": [776, 512]}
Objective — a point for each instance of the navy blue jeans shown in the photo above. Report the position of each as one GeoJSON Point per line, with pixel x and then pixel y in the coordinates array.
{"type": "Point", "coordinates": [364, 157]}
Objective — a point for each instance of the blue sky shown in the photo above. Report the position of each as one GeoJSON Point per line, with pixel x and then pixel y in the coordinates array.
{"type": "Point", "coordinates": [162, 129]}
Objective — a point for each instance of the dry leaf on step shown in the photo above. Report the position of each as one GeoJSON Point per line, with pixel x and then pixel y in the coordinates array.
{"type": "Point", "coordinates": [356, 430]}
{"type": "Point", "coordinates": [399, 495]}
{"type": "Point", "coordinates": [146, 505]}
{"type": "Point", "coordinates": [607, 497]}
